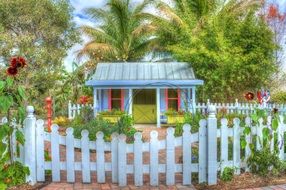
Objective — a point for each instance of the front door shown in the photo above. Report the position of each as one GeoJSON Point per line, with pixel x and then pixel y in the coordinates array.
{"type": "Point", "coordinates": [144, 106]}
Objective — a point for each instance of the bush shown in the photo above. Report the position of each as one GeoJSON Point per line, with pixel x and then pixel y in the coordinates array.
{"type": "Point", "coordinates": [227, 174]}
{"type": "Point", "coordinates": [61, 121]}
{"type": "Point", "coordinates": [13, 174]}
{"type": "Point", "coordinates": [263, 162]}
{"type": "Point", "coordinates": [279, 97]}
{"type": "Point", "coordinates": [123, 126]}
{"type": "Point", "coordinates": [193, 120]}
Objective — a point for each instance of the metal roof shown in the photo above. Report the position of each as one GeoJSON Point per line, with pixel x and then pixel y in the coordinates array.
{"type": "Point", "coordinates": [143, 73]}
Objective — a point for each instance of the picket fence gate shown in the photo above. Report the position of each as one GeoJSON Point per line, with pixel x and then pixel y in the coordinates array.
{"type": "Point", "coordinates": [207, 138]}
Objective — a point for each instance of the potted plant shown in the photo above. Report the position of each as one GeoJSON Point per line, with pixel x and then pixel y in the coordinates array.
{"type": "Point", "coordinates": [174, 116]}
{"type": "Point", "coordinates": [111, 115]}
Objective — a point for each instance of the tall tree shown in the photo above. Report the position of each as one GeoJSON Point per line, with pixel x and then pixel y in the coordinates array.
{"type": "Point", "coordinates": [228, 46]}
{"type": "Point", "coordinates": [124, 32]}
{"type": "Point", "coordinates": [42, 32]}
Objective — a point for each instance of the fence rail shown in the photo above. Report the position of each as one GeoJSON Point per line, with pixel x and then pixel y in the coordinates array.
{"type": "Point", "coordinates": [211, 158]}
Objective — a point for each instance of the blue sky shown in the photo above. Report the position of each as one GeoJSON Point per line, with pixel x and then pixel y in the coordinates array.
{"type": "Point", "coordinates": [80, 19]}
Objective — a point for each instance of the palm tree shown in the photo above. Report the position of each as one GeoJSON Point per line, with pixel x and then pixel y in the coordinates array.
{"type": "Point", "coordinates": [124, 32]}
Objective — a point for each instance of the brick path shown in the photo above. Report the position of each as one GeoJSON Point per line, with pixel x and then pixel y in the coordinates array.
{"type": "Point", "coordinates": [109, 186]}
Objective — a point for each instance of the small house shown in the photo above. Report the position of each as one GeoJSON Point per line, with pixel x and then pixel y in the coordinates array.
{"type": "Point", "coordinates": [144, 90]}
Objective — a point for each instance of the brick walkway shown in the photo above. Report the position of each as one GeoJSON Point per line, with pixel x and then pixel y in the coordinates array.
{"type": "Point", "coordinates": [107, 186]}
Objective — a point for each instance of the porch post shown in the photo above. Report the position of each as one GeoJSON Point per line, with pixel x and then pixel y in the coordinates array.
{"type": "Point", "coordinates": [99, 102]}
{"type": "Point", "coordinates": [158, 107]}
{"type": "Point", "coordinates": [194, 99]}
{"type": "Point", "coordinates": [94, 101]}
{"type": "Point", "coordinates": [130, 101]}
{"type": "Point", "coordinates": [189, 100]}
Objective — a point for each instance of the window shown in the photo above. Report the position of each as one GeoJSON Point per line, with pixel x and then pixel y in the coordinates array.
{"type": "Point", "coordinates": [173, 99]}
{"type": "Point", "coordinates": [116, 99]}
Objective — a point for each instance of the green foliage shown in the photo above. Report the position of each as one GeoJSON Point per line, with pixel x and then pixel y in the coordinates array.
{"type": "Point", "coordinates": [193, 120]}
{"type": "Point", "coordinates": [263, 162]}
{"type": "Point", "coordinates": [42, 32]}
{"type": "Point", "coordinates": [227, 174]}
{"type": "Point", "coordinates": [228, 46]}
{"type": "Point", "coordinates": [123, 126]}
{"type": "Point", "coordinates": [13, 174]}
{"type": "Point", "coordinates": [279, 97]}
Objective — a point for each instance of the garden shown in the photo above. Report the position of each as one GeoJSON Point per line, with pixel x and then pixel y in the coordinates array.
{"type": "Point", "coordinates": [235, 47]}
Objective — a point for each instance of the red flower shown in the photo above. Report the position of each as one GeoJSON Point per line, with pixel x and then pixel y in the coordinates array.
{"type": "Point", "coordinates": [249, 96]}
{"type": "Point", "coordinates": [12, 71]}
{"type": "Point", "coordinates": [13, 62]}
{"type": "Point", "coordinates": [21, 62]}
{"type": "Point", "coordinates": [17, 62]}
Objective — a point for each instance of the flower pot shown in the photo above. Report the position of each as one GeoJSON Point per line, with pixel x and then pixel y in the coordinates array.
{"type": "Point", "coordinates": [173, 119]}
{"type": "Point", "coordinates": [111, 118]}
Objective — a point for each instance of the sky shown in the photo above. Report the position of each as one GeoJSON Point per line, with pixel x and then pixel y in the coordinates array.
{"type": "Point", "coordinates": [81, 19]}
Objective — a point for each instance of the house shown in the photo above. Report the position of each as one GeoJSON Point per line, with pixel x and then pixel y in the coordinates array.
{"type": "Point", "coordinates": [143, 89]}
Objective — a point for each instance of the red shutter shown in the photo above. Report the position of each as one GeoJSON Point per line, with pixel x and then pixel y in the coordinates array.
{"type": "Point", "coordinates": [109, 99]}
{"type": "Point", "coordinates": [166, 99]}
{"type": "Point", "coordinates": [179, 99]}
{"type": "Point", "coordinates": [122, 100]}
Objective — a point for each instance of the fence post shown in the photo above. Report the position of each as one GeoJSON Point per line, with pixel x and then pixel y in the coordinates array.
{"type": "Point", "coordinates": [30, 144]}
{"type": "Point", "coordinates": [69, 110]}
{"type": "Point", "coordinates": [212, 145]}
{"type": "Point", "coordinates": [236, 105]}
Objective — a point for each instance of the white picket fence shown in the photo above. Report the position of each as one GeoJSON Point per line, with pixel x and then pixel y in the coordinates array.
{"type": "Point", "coordinates": [75, 109]}
{"type": "Point", "coordinates": [241, 108]}
{"type": "Point", "coordinates": [209, 163]}
{"type": "Point", "coordinates": [235, 107]}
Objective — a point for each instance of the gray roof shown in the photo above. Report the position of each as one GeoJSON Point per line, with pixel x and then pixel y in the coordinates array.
{"type": "Point", "coordinates": [144, 71]}
{"type": "Point", "coordinates": [143, 74]}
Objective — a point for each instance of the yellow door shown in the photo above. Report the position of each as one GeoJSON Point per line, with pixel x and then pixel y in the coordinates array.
{"type": "Point", "coordinates": [144, 106]}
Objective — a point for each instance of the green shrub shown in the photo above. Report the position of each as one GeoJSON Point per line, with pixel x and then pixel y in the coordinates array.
{"type": "Point", "coordinates": [123, 126]}
{"type": "Point", "coordinates": [263, 162]}
{"type": "Point", "coordinates": [227, 174]}
{"type": "Point", "coordinates": [279, 97]}
{"type": "Point", "coordinates": [13, 174]}
{"type": "Point", "coordinates": [192, 119]}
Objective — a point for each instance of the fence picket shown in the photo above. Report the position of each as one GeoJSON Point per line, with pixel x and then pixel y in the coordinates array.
{"type": "Point", "coordinates": [280, 136]}
{"type": "Point", "coordinates": [55, 153]}
{"type": "Point", "coordinates": [138, 159]}
{"type": "Point", "coordinates": [40, 150]}
{"type": "Point", "coordinates": [170, 160]}
{"type": "Point", "coordinates": [259, 138]}
{"type": "Point", "coordinates": [100, 164]}
{"type": "Point", "coordinates": [224, 143]}
{"type": "Point", "coordinates": [70, 155]}
{"type": "Point", "coordinates": [122, 177]}
{"type": "Point", "coordinates": [248, 140]}
{"type": "Point", "coordinates": [187, 155]}
{"type": "Point", "coordinates": [85, 156]}
{"type": "Point", "coordinates": [202, 151]}
{"type": "Point", "coordinates": [269, 118]}
{"type": "Point", "coordinates": [114, 157]}
{"type": "Point", "coordinates": [154, 162]}
{"type": "Point", "coordinates": [236, 145]}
